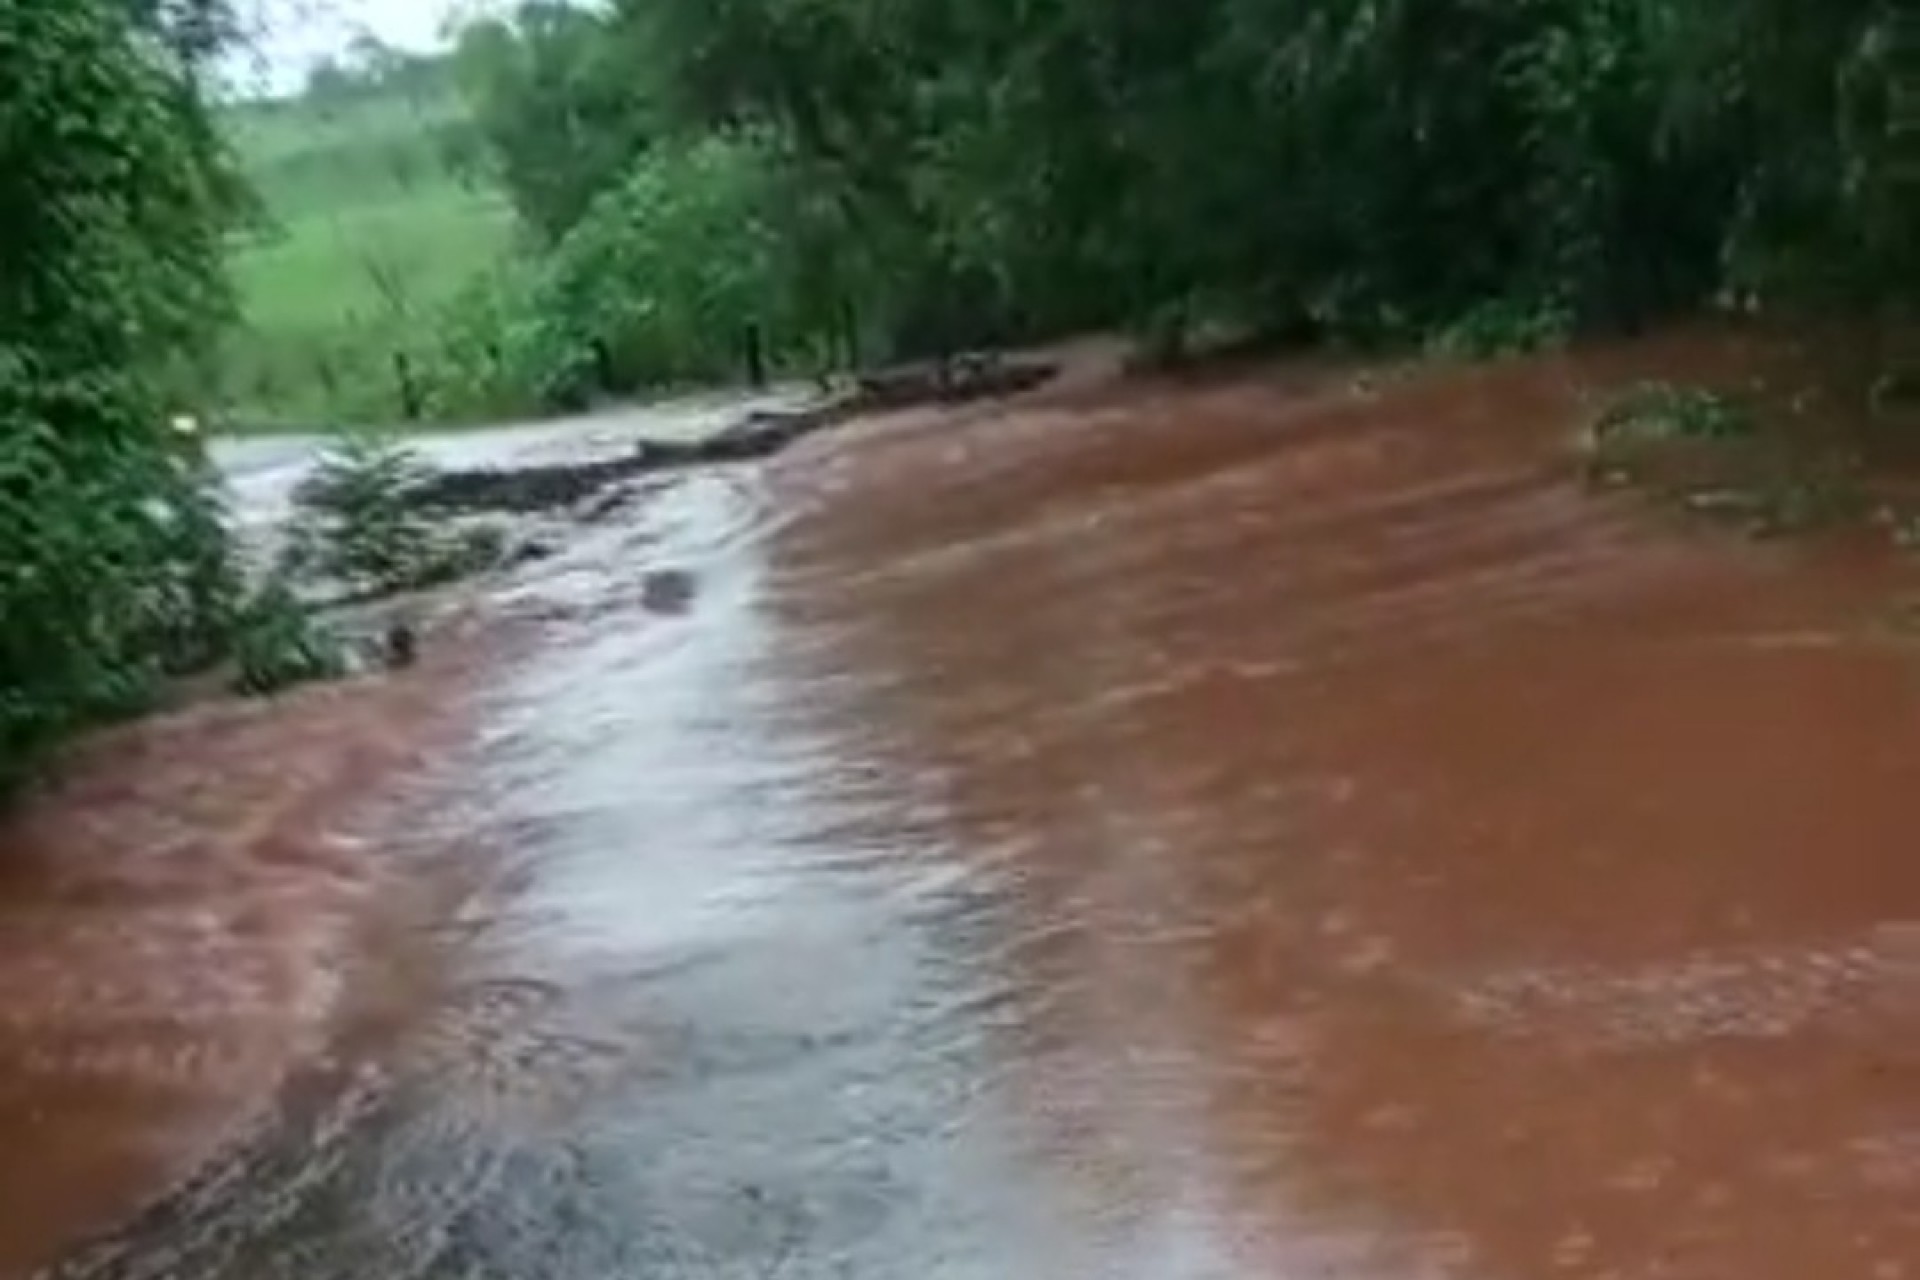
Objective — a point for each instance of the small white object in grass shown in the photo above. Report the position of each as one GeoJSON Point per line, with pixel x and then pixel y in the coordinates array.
{"type": "Point", "coordinates": [185, 424]}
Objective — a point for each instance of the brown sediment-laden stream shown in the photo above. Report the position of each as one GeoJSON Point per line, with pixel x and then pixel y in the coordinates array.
{"type": "Point", "coordinates": [1260, 827]}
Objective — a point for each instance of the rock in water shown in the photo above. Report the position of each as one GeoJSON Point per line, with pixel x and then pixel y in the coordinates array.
{"type": "Point", "coordinates": [667, 591]}
{"type": "Point", "coordinates": [403, 645]}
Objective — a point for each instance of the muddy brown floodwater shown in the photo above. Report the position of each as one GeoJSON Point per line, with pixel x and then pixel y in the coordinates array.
{"type": "Point", "coordinates": [1254, 828]}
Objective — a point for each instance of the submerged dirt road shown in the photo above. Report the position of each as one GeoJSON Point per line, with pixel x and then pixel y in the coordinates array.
{"type": "Point", "coordinates": [1174, 834]}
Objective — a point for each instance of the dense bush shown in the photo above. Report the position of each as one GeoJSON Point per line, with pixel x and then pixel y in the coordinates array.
{"type": "Point", "coordinates": [115, 574]}
{"type": "Point", "coordinates": [1659, 411]}
{"type": "Point", "coordinates": [277, 643]}
{"type": "Point", "coordinates": [667, 267]}
{"type": "Point", "coordinates": [358, 526]}
{"type": "Point", "coordinates": [354, 524]}
{"type": "Point", "coordinates": [114, 199]}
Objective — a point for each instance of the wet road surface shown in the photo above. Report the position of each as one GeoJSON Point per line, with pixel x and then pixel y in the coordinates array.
{"type": "Point", "coordinates": [1258, 829]}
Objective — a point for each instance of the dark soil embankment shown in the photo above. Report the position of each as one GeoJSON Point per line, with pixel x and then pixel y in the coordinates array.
{"type": "Point", "coordinates": [756, 435]}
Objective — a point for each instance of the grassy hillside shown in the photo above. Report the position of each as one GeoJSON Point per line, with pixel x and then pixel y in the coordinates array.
{"type": "Point", "coordinates": [373, 229]}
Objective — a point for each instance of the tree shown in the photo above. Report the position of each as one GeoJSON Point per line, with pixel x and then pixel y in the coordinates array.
{"type": "Point", "coordinates": [561, 104]}
{"type": "Point", "coordinates": [1382, 169]}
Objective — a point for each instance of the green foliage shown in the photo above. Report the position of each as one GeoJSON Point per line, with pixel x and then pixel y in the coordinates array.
{"type": "Point", "coordinates": [1500, 328]}
{"type": "Point", "coordinates": [1661, 411]}
{"type": "Point", "coordinates": [668, 264]}
{"type": "Point", "coordinates": [907, 177]}
{"type": "Point", "coordinates": [115, 192]}
{"type": "Point", "coordinates": [116, 197]}
{"type": "Point", "coordinates": [357, 524]}
{"type": "Point", "coordinates": [110, 581]}
{"type": "Point", "coordinates": [557, 99]}
{"type": "Point", "coordinates": [1495, 173]}
{"type": "Point", "coordinates": [277, 644]}
{"type": "Point", "coordinates": [494, 351]}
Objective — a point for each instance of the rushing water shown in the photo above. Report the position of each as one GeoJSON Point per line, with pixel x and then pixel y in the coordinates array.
{"type": "Point", "coordinates": [1187, 834]}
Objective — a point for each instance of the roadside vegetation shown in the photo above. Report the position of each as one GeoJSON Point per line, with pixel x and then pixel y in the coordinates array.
{"type": "Point", "coordinates": [116, 195]}
{"type": "Point", "coordinates": [358, 527]}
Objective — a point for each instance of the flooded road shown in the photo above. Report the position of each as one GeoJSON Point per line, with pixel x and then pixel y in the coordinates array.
{"type": "Point", "coordinates": [1175, 833]}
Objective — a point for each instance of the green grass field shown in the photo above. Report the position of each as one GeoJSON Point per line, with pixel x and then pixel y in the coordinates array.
{"type": "Point", "coordinates": [371, 233]}
{"type": "Point", "coordinates": [354, 263]}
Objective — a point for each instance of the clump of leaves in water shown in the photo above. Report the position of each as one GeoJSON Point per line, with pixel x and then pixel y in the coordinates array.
{"type": "Point", "coordinates": [1501, 327]}
{"type": "Point", "coordinates": [1658, 411]}
{"type": "Point", "coordinates": [278, 643]}
{"type": "Point", "coordinates": [357, 523]}
{"type": "Point", "coordinates": [1636, 428]}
